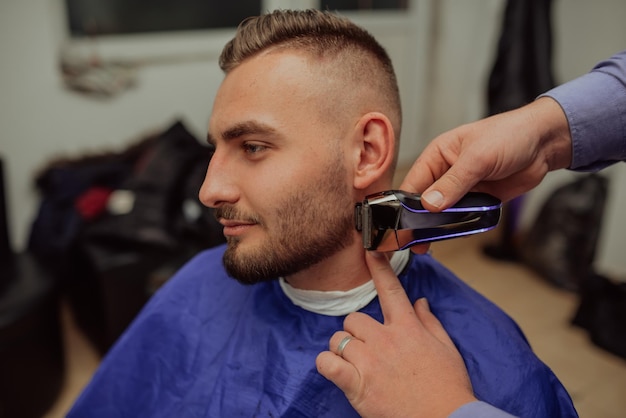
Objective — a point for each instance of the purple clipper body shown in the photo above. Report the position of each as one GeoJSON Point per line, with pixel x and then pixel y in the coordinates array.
{"type": "Point", "coordinates": [395, 220]}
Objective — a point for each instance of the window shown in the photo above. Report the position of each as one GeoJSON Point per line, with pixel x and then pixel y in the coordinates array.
{"type": "Point", "coordinates": [115, 17]}
{"type": "Point", "coordinates": [119, 17]}
{"type": "Point", "coordinates": [364, 4]}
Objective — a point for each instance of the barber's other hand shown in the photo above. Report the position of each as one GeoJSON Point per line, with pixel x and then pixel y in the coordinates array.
{"type": "Point", "coordinates": [504, 155]}
{"type": "Point", "coordinates": [406, 367]}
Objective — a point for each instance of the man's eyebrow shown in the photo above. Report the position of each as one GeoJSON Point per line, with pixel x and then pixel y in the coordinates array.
{"type": "Point", "coordinates": [242, 129]}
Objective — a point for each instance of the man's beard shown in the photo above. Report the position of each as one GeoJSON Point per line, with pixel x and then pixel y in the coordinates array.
{"type": "Point", "coordinates": [311, 225]}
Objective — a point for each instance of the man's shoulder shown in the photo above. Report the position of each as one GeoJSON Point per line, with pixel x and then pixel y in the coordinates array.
{"type": "Point", "coordinates": [425, 276]}
{"type": "Point", "coordinates": [202, 278]}
{"type": "Point", "coordinates": [204, 268]}
{"type": "Point", "coordinates": [198, 291]}
{"type": "Point", "coordinates": [210, 258]}
{"type": "Point", "coordinates": [451, 297]}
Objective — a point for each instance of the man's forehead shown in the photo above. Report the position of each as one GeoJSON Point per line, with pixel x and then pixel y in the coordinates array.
{"type": "Point", "coordinates": [287, 68]}
{"type": "Point", "coordinates": [269, 80]}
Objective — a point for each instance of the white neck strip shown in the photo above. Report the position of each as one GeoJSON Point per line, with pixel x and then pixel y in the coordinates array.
{"type": "Point", "coordinates": [337, 302]}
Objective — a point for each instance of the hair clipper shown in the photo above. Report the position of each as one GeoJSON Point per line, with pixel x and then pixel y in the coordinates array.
{"type": "Point", "coordinates": [394, 220]}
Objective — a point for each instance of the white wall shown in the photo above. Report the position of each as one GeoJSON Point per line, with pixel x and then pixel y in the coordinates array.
{"type": "Point", "coordinates": [464, 39]}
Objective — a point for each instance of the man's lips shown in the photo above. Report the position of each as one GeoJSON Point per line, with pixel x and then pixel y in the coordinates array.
{"type": "Point", "coordinates": [234, 227]}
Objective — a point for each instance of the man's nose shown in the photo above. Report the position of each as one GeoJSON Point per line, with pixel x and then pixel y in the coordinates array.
{"type": "Point", "coordinates": [218, 187]}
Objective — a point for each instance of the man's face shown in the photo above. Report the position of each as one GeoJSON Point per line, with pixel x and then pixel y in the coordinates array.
{"type": "Point", "coordinates": [278, 178]}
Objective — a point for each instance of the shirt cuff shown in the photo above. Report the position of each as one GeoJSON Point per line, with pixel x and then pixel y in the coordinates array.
{"type": "Point", "coordinates": [595, 107]}
{"type": "Point", "coordinates": [479, 409]}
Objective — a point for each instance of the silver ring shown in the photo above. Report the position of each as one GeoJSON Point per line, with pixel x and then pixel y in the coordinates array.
{"type": "Point", "coordinates": [342, 345]}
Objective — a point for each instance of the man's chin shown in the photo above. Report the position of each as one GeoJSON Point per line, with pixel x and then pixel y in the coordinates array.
{"type": "Point", "coordinates": [243, 265]}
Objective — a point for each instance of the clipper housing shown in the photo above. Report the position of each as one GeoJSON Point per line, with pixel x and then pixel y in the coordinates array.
{"type": "Point", "coordinates": [394, 220]}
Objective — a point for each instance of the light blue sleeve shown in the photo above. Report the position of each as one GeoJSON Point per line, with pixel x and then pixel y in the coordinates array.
{"type": "Point", "coordinates": [479, 409]}
{"type": "Point", "coordinates": [595, 106]}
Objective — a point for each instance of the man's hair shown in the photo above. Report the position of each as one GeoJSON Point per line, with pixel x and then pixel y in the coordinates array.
{"type": "Point", "coordinates": [318, 32]}
{"type": "Point", "coordinates": [325, 36]}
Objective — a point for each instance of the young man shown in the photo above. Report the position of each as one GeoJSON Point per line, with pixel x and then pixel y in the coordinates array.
{"type": "Point", "coordinates": [305, 124]}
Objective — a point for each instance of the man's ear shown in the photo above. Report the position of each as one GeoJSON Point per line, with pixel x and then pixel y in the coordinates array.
{"type": "Point", "coordinates": [375, 149]}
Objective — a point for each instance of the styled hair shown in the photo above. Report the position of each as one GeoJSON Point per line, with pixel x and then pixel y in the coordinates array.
{"type": "Point", "coordinates": [318, 32]}
{"type": "Point", "coordinates": [355, 55]}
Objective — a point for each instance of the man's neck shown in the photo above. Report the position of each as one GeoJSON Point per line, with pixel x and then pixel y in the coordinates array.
{"type": "Point", "coordinates": [345, 270]}
{"type": "Point", "coordinates": [338, 302]}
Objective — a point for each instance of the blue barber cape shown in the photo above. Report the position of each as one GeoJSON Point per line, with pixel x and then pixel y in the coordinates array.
{"type": "Point", "coordinates": [208, 346]}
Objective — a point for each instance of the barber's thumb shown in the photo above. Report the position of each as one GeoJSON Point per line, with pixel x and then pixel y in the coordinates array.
{"type": "Point", "coordinates": [443, 193]}
{"type": "Point", "coordinates": [433, 198]}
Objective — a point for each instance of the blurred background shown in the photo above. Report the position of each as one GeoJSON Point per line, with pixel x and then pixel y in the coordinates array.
{"type": "Point", "coordinates": [99, 96]}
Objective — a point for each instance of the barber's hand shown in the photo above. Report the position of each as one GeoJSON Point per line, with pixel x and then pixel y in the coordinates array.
{"type": "Point", "coordinates": [406, 367]}
{"type": "Point", "coordinates": [504, 155]}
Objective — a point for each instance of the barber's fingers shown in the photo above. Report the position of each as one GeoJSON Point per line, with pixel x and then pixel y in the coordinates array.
{"type": "Point", "coordinates": [429, 166]}
{"type": "Point", "coordinates": [345, 345]}
{"type": "Point", "coordinates": [343, 374]}
{"type": "Point", "coordinates": [336, 364]}
{"type": "Point", "coordinates": [445, 171]}
{"type": "Point", "coordinates": [449, 189]}
{"type": "Point", "coordinates": [452, 184]}
{"type": "Point", "coordinates": [394, 301]}
{"type": "Point", "coordinates": [430, 322]}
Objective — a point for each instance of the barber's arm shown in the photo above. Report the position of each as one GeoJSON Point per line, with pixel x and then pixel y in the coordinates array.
{"type": "Point", "coordinates": [406, 367]}
{"type": "Point", "coordinates": [595, 107]}
{"type": "Point", "coordinates": [504, 155]}
{"type": "Point", "coordinates": [580, 125]}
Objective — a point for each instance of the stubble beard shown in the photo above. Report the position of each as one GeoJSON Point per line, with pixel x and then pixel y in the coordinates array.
{"type": "Point", "coordinates": [311, 225]}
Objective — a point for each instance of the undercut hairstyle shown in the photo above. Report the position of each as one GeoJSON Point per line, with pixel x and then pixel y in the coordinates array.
{"type": "Point", "coordinates": [351, 53]}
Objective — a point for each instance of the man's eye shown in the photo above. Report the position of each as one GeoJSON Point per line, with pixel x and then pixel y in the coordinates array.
{"type": "Point", "coordinates": [253, 148]}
